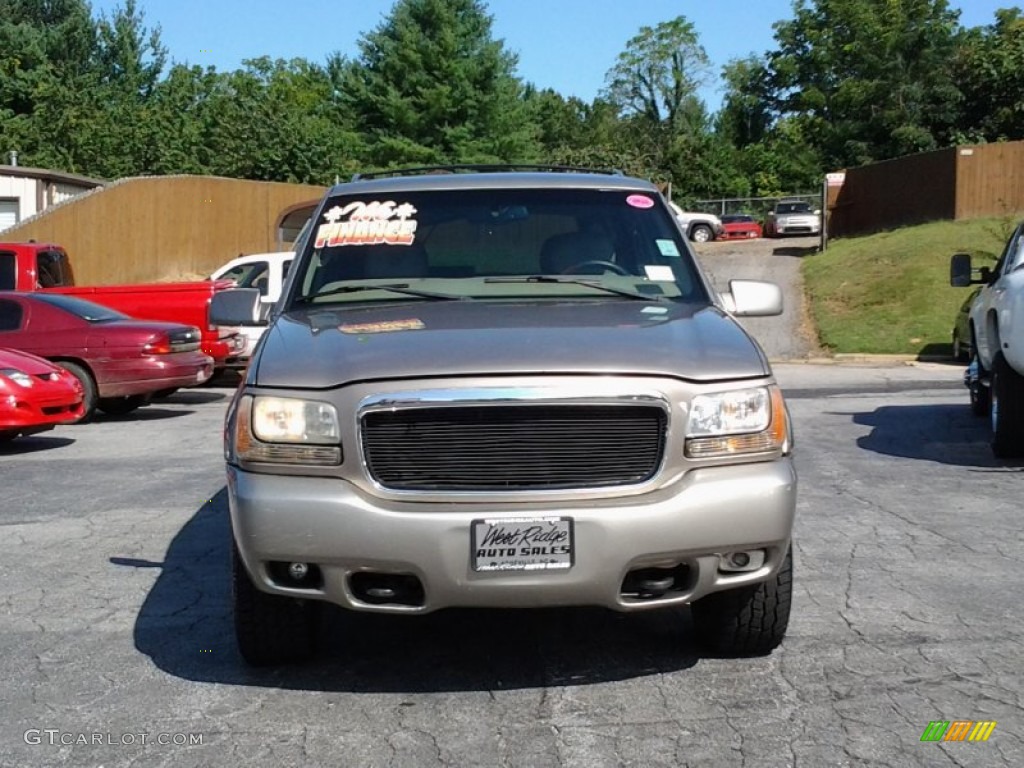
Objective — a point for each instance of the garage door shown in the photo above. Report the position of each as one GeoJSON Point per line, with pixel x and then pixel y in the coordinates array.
{"type": "Point", "coordinates": [8, 214]}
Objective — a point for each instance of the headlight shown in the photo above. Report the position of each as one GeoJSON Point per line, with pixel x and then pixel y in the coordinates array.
{"type": "Point", "coordinates": [283, 430]}
{"type": "Point", "coordinates": [737, 422]}
{"type": "Point", "coordinates": [289, 420]}
{"type": "Point", "coordinates": [18, 377]}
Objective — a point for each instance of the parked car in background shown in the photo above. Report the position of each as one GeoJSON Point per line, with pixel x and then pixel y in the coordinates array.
{"type": "Point", "coordinates": [265, 272]}
{"type": "Point", "coordinates": [995, 376]}
{"type": "Point", "coordinates": [792, 217]}
{"type": "Point", "coordinates": [962, 348]}
{"type": "Point", "coordinates": [35, 396]}
{"type": "Point", "coordinates": [699, 227]}
{"type": "Point", "coordinates": [46, 268]}
{"type": "Point", "coordinates": [119, 361]}
{"type": "Point", "coordinates": [740, 226]}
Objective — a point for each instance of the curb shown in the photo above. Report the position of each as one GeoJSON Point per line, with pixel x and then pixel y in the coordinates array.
{"type": "Point", "coordinates": [857, 358]}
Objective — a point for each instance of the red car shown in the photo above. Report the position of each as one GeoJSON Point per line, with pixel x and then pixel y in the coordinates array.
{"type": "Point", "coordinates": [35, 396]}
{"type": "Point", "coordinates": [119, 361]}
{"type": "Point", "coordinates": [739, 226]}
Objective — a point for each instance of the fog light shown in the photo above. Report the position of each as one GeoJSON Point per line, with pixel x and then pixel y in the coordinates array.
{"type": "Point", "coordinates": [747, 561]}
{"type": "Point", "coordinates": [298, 571]}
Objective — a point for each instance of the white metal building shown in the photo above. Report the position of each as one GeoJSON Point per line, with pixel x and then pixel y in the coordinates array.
{"type": "Point", "coordinates": [24, 192]}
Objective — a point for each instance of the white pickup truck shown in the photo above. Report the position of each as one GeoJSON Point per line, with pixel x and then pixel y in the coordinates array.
{"type": "Point", "coordinates": [996, 373]}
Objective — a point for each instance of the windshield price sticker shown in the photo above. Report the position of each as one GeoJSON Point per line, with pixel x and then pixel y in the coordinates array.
{"type": "Point", "coordinates": [373, 223]}
{"type": "Point", "coordinates": [522, 544]}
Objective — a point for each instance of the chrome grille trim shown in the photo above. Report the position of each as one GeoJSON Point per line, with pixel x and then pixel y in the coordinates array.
{"type": "Point", "coordinates": [546, 402]}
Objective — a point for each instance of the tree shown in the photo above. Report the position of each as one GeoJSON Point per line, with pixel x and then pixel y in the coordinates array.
{"type": "Point", "coordinates": [278, 120]}
{"type": "Point", "coordinates": [431, 86]}
{"type": "Point", "coordinates": [867, 79]}
{"type": "Point", "coordinates": [990, 67]}
{"type": "Point", "coordinates": [653, 86]}
{"type": "Point", "coordinates": [746, 115]}
{"type": "Point", "coordinates": [659, 73]}
{"type": "Point", "coordinates": [47, 49]}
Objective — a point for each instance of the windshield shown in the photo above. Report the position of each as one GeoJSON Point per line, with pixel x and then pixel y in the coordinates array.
{"type": "Point", "coordinates": [494, 243]}
{"type": "Point", "coordinates": [798, 207]}
{"type": "Point", "coordinates": [87, 310]}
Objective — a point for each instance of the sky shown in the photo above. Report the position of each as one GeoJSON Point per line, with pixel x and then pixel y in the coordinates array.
{"type": "Point", "coordinates": [567, 45]}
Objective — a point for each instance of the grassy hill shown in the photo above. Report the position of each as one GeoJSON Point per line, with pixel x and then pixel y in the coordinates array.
{"type": "Point", "coordinates": [890, 292]}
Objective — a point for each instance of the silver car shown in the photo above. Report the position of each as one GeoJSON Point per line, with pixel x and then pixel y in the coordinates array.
{"type": "Point", "coordinates": [507, 390]}
{"type": "Point", "coordinates": [792, 217]}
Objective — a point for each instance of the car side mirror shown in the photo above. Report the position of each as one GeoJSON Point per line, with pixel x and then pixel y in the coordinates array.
{"type": "Point", "coordinates": [238, 306]}
{"type": "Point", "coordinates": [960, 270]}
{"type": "Point", "coordinates": [753, 298]}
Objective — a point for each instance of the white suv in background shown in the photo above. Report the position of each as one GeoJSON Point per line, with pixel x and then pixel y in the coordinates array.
{"type": "Point", "coordinates": [699, 227]}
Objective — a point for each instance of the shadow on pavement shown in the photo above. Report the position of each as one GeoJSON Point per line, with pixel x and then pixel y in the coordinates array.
{"type": "Point", "coordinates": [948, 434]}
{"type": "Point", "coordinates": [32, 443]}
{"type": "Point", "coordinates": [146, 413]}
{"type": "Point", "coordinates": [938, 353]}
{"type": "Point", "coordinates": [185, 627]}
{"type": "Point", "coordinates": [193, 397]}
{"type": "Point", "coordinates": [795, 251]}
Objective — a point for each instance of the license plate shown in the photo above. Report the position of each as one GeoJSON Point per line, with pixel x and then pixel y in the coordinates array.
{"type": "Point", "coordinates": [522, 544]}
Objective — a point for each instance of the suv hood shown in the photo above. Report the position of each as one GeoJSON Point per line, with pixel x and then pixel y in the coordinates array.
{"type": "Point", "coordinates": [326, 347]}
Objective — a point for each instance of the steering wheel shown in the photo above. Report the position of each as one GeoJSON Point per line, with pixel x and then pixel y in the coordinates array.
{"type": "Point", "coordinates": [608, 265]}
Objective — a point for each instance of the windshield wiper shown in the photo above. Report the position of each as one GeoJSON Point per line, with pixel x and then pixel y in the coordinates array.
{"type": "Point", "coordinates": [402, 288]}
{"type": "Point", "coordinates": [574, 281]}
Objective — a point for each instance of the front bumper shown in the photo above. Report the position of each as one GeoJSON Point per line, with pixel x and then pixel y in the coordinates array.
{"type": "Point", "coordinates": [341, 529]}
{"type": "Point", "coordinates": [27, 414]}
{"type": "Point", "coordinates": [799, 227]}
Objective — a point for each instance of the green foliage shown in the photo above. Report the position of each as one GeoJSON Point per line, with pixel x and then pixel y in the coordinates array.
{"type": "Point", "coordinates": [890, 292]}
{"type": "Point", "coordinates": [990, 68]}
{"type": "Point", "coordinates": [745, 117]}
{"type": "Point", "coordinates": [849, 81]}
{"type": "Point", "coordinates": [277, 121]}
{"type": "Point", "coordinates": [432, 86]}
{"type": "Point", "coordinates": [867, 79]}
{"type": "Point", "coordinates": [658, 74]}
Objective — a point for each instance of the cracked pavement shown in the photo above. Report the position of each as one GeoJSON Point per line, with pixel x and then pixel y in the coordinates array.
{"type": "Point", "coordinates": [116, 616]}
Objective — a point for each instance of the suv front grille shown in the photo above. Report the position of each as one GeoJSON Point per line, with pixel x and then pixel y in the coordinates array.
{"type": "Point", "coordinates": [513, 447]}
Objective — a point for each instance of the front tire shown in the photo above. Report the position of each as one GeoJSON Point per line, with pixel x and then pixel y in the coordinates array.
{"type": "Point", "coordinates": [1007, 410]}
{"type": "Point", "coordinates": [746, 621]}
{"type": "Point", "coordinates": [90, 397]}
{"type": "Point", "coordinates": [270, 629]}
{"type": "Point", "coordinates": [701, 233]}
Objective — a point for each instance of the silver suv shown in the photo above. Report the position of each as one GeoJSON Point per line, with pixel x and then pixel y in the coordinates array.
{"type": "Point", "coordinates": [506, 389]}
{"type": "Point", "coordinates": [792, 217]}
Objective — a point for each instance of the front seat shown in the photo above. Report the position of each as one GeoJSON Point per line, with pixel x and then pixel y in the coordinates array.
{"type": "Point", "coordinates": [561, 252]}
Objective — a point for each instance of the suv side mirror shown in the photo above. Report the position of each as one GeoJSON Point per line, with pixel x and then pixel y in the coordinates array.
{"type": "Point", "coordinates": [960, 270]}
{"type": "Point", "coordinates": [753, 298]}
{"type": "Point", "coordinates": [238, 306]}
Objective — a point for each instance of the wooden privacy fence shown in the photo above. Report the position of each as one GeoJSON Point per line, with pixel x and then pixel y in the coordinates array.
{"type": "Point", "coordinates": [164, 227]}
{"type": "Point", "coordinates": [954, 183]}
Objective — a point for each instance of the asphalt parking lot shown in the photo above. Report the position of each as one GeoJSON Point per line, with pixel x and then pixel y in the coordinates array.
{"type": "Point", "coordinates": [116, 645]}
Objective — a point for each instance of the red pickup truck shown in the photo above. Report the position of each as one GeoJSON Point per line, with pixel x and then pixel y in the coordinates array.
{"type": "Point", "coordinates": [46, 267]}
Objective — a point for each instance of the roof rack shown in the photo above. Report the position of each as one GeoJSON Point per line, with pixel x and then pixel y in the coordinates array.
{"type": "Point", "coordinates": [442, 169]}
